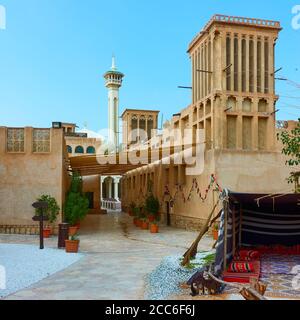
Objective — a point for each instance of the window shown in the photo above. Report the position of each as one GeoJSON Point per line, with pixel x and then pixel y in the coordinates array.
{"type": "Point", "coordinates": [79, 149]}
{"type": "Point", "coordinates": [41, 140]}
{"type": "Point", "coordinates": [90, 150]}
{"type": "Point", "coordinates": [15, 140]}
{"type": "Point", "coordinates": [69, 149]}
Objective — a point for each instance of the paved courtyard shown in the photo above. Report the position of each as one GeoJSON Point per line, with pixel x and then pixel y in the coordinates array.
{"type": "Point", "coordinates": [117, 257]}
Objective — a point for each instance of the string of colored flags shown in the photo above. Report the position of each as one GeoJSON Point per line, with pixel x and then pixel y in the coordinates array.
{"type": "Point", "coordinates": [195, 187]}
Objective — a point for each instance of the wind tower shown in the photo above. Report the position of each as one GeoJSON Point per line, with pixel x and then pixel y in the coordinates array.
{"type": "Point", "coordinates": [113, 83]}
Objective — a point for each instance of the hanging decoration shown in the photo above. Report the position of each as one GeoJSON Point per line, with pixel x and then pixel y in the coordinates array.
{"type": "Point", "coordinates": [194, 188]}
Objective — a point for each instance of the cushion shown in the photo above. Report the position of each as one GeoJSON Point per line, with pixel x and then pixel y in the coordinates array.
{"type": "Point", "coordinates": [247, 255]}
{"type": "Point", "coordinates": [241, 267]}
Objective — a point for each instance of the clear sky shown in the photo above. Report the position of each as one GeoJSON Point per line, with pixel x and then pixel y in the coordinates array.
{"type": "Point", "coordinates": [54, 53]}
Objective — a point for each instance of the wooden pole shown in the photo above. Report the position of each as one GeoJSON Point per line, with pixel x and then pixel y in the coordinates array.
{"type": "Point", "coordinates": [234, 232]}
{"type": "Point", "coordinates": [240, 227]}
{"type": "Point", "coordinates": [225, 205]}
{"type": "Point", "coordinates": [192, 251]}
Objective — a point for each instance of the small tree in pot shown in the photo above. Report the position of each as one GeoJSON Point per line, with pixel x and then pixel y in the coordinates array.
{"type": "Point", "coordinates": [152, 208]}
{"type": "Point", "coordinates": [77, 204]}
{"type": "Point", "coordinates": [51, 212]}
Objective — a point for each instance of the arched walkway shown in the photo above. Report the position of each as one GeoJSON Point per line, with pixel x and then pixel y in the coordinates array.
{"type": "Point", "coordinates": [111, 193]}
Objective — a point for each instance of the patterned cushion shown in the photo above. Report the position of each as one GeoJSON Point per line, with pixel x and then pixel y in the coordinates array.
{"type": "Point", "coordinates": [241, 267]}
{"type": "Point", "coordinates": [247, 255]}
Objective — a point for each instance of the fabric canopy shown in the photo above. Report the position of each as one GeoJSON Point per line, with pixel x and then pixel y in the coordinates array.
{"type": "Point", "coordinates": [256, 220]}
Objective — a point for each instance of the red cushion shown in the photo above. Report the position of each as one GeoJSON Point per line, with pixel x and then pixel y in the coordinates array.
{"type": "Point", "coordinates": [241, 267]}
{"type": "Point", "coordinates": [247, 255]}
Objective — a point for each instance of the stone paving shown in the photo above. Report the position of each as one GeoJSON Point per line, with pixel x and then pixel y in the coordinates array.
{"type": "Point", "coordinates": [117, 257]}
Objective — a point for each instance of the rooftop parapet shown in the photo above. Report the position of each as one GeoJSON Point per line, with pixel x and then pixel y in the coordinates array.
{"type": "Point", "coordinates": [219, 18]}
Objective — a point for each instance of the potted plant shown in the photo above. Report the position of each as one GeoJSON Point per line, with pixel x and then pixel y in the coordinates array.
{"type": "Point", "coordinates": [215, 231]}
{"type": "Point", "coordinates": [154, 228]}
{"type": "Point", "coordinates": [136, 214]}
{"type": "Point", "coordinates": [144, 225]}
{"type": "Point", "coordinates": [152, 208]}
{"type": "Point", "coordinates": [77, 204]}
{"type": "Point", "coordinates": [72, 245]}
{"type": "Point", "coordinates": [50, 213]}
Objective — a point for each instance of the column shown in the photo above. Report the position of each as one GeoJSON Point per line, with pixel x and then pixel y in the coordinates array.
{"type": "Point", "coordinates": [109, 188]}
{"type": "Point", "coordinates": [247, 57]}
{"type": "Point", "coordinates": [116, 187]}
{"type": "Point", "coordinates": [232, 61]}
{"type": "Point", "coordinates": [255, 64]}
{"type": "Point", "coordinates": [240, 53]}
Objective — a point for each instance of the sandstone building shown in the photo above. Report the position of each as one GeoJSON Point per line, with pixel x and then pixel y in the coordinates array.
{"type": "Point", "coordinates": [234, 102]}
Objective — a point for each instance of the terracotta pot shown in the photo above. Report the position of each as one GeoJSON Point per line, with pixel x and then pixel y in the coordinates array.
{"type": "Point", "coordinates": [139, 223]}
{"type": "Point", "coordinates": [216, 234]}
{"type": "Point", "coordinates": [72, 230]}
{"type": "Point", "coordinates": [145, 225]}
{"type": "Point", "coordinates": [46, 233]}
{"type": "Point", "coordinates": [72, 246]}
{"type": "Point", "coordinates": [153, 228]}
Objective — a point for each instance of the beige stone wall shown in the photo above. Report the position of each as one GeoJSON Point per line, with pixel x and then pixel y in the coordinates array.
{"type": "Point", "coordinates": [26, 176]}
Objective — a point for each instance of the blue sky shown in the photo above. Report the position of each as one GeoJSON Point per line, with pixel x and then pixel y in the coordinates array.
{"type": "Point", "coordinates": [54, 52]}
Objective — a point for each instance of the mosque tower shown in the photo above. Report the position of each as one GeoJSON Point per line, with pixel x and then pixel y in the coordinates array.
{"type": "Point", "coordinates": [113, 83]}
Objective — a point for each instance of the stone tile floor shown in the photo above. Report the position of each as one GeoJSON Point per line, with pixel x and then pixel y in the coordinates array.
{"type": "Point", "coordinates": [117, 258]}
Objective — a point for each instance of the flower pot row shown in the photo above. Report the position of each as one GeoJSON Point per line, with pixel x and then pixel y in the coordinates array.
{"type": "Point", "coordinates": [146, 225]}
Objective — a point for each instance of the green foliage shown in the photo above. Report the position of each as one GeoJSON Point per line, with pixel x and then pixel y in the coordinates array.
{"type": "Point", "coordinates": [74, 237]}
{"type": "Point", "coordinates": [291, 148]}
{"type": "Point", "coordinates": [53, 208]}
{"type": "Point", "coordinates": [139, 212]}
{"type": "Point", "coordinates": [206, 261]}
{"type": "Point", "coordinates": [152, 205]}
{"type": "Point", "coordinates": [77, 204]}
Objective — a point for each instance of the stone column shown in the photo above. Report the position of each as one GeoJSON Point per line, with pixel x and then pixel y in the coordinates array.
{"type": "Point", "coordinates": [116, 186]}
{"type": "Point", "coordinates": [109, 188]}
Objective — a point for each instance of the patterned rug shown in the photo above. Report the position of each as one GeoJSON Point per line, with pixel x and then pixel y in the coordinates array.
{"type": "Point", "coordinates": [278, 264]}
{"type": "Point", "coordinates": [276, 271]}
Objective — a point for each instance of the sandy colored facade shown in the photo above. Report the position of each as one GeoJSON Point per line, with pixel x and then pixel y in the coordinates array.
{"type": "Point", "coordinates": [33, 162]}
{"type": "Point", "coordinates": [134, 121]}
{"type": "Point", "coordinates": [234, 102]}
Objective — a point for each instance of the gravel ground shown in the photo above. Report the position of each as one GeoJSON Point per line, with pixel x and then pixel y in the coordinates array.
{"type": "Point", "coordinates": [164, 281]}
{"type": "Point", "coordinates": [26, 265]}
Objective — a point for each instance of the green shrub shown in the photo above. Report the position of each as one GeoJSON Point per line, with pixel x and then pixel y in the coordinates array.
{"type": "Point", "coordinates": [77, 204]}
{"type": "Point", "coordinates": [53, 208]}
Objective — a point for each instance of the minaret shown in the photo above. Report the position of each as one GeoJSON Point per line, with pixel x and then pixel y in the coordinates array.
{"type": "Point", "coordinates": [113, 83]}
